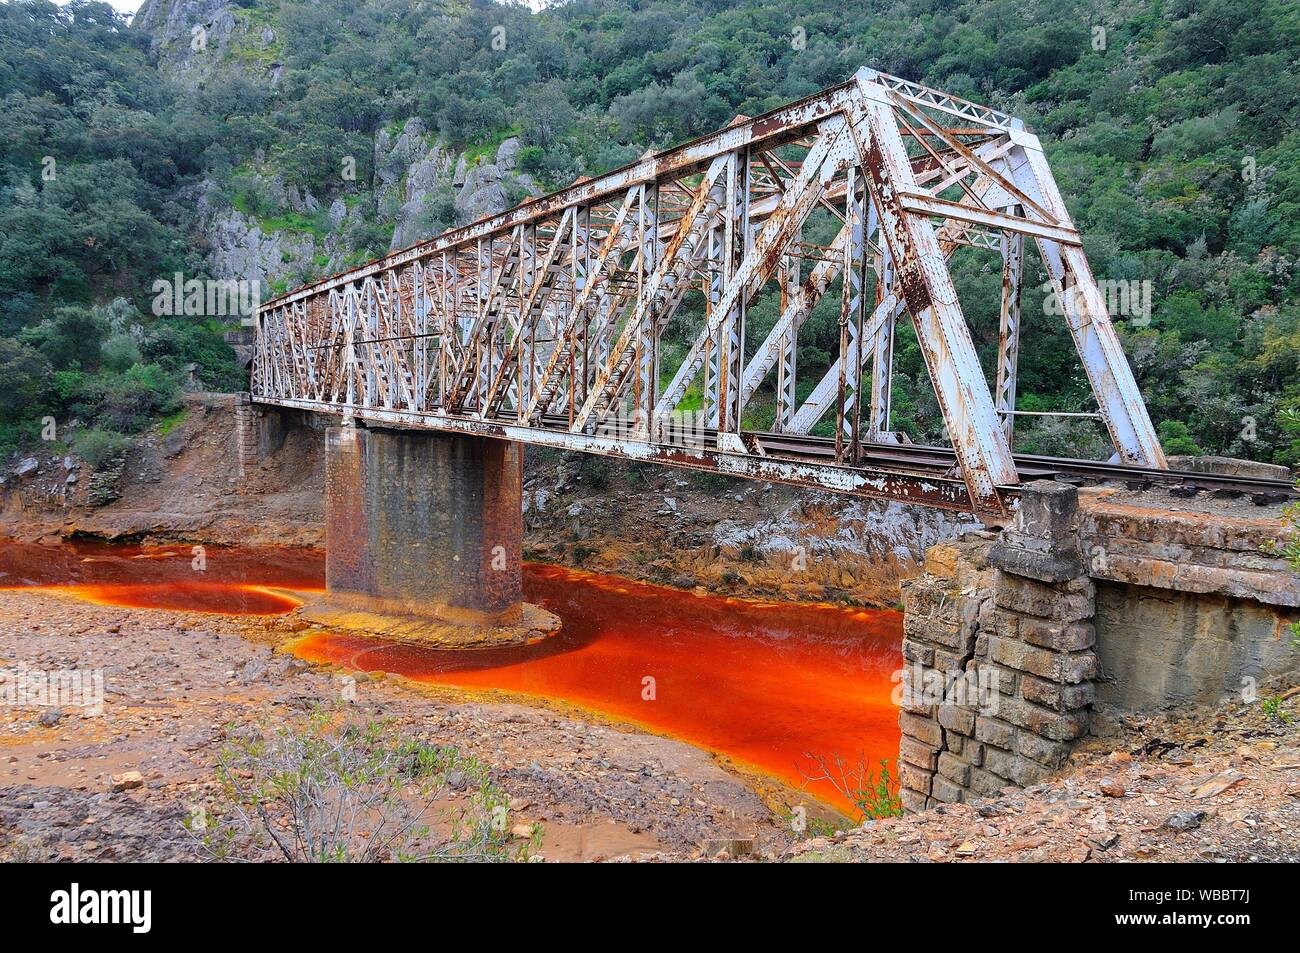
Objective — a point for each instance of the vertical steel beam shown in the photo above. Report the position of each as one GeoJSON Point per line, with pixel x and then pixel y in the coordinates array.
{"type": "Point", "coordinates": [735, 246]}
{"type": "Point", "coordinates": [578, 317]}
{"type": "Point", "coordinates": [850, 322]}
{"type": "Point", "coordinates": [713, 279]}
{"type": "Point", "coordinates": [786, 370]}
{"type": "Point", "coordinates": [1119, 401]}
{"type": "Point", "coordinates": [1013, 253]}
{"type": "Point", "coordinates": [647, 346]}
{"type": "Point", "coordinates": [878, 428]}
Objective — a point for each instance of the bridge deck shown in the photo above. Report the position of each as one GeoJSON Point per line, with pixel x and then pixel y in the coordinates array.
{"type": "Point", "coordinates": [914, 473]}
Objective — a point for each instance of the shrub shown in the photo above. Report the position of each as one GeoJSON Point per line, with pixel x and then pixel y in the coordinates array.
{"type": "Point", "coordinates": [594, 471]}
{"type": "Point", "coordinates": [874, 795]}
{"type": "Point", "coordinates": [120, 353]}
{"type": "Point", "coordinates": [142, 393]}
{"type": "Point", "coordinates": [24, 371]}
{"type": "Point", "coordinates": [328, 788]}
{"type": "Point", "coordinates": [97, 447]}
{"type": "Point", "coordinates": [1176, 438]}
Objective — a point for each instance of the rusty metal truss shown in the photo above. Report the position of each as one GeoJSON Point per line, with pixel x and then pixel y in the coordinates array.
{"type": "Point", "coordinates": [546, 323]}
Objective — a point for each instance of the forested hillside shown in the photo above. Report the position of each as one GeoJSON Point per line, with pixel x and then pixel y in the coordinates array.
{"type": "Point", "coordinates": [282, 140]}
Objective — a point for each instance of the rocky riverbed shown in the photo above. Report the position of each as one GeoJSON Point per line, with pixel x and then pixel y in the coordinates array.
{"type": "Point", "coordinates": [1214, 784]}
{"type": "Point", "coordinates": [118, 785]}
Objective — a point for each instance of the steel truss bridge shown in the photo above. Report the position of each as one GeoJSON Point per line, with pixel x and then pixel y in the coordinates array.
{"type": "Point", "coordinates": [546, 323]}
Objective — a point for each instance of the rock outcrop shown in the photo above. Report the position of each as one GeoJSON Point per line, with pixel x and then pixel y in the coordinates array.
{"type": "Point", "coordinates": [419, 187]}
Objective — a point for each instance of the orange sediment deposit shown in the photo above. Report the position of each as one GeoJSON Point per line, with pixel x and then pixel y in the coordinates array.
{"type": "Point", "coordinates": [227, 598]}
{"type": "Point", "coordinates": [448, 629]}
{"type": "Point", "coordinates": [204, 579]}
{"type": "Point", "coordinates": [773, 685]}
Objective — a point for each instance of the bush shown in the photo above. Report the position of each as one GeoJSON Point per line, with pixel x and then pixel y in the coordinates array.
{"type": "Point", "coordinates": [171, 344]}
{"type": "Point", "coordinates": [120, 353]}
{"type": "Point", "coordinates": [97, 447]}
{"type": "Point", "coordinates": [70, 339]}
{"type": "Point", "coordinates": [874, 795]}
{"type": "Point", "coordinates": [1175, 438]}
{"type": "Point", "coordinates": [328, 788]}
{"type": "Point", "coordinates": [595, 471]}
{"type": "Point", "coordinates": [24, 371]}
{"type": "Point", "coordinates": [144, 392]}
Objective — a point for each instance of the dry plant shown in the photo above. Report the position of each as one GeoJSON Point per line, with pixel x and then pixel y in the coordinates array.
{"type": "Point", "coordinates": [873, 794]}
{"type": "Point", "coordinates": [330, 788]}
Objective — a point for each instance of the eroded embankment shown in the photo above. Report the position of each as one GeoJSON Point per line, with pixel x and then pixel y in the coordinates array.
{"type": "Point", "coordinates": [650, 523]}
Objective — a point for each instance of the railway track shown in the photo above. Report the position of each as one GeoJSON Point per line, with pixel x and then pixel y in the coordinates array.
{"type": "Point", "coordinates": [941, 463]}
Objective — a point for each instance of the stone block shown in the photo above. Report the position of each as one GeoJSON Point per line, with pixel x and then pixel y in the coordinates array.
{"type": "Point", "coordinates": [914, 651]}
{"type": "Point", "coordinates": [1045, 663]}
{"type": "Point", "coordinates": [948, 662]}
{"type": "Point", "coordinates": [1005, 681]}
{"type": "Point", "coordinates": [1050, 754]}
{"type": "Point", "coordinates": [1051, 563]}
{"type": "Point", "coordinates": [1063, 602]}
{"type": "Point", "coordinates": [1015, 768]}
{"type": "Point", "coordinates": [917, 753]}
{"type": "Point", "coordinates": [1062, 636]}
{"type": "Point", "coordinates": [1056, 696]}
{"type": "Point", "coordinates": [941, 560]}
{"type": "Point", "coordinates": [1047, 510]}
{"type": "Point", "coordinates": [917, 705]}
{"type": "Point", "coordinates": [999, 622]}
{"type": "Point", "coordinates": [928, 597]}
{"type": "Point", "coordinates": [913, 801]}
{"type": "Point", "coordinates": [913, 778]}
{"type": "Point", "coordinates": [954, 769]}
{"type": "Point", "coordinates": [914, 698]}
{"type": "Point", "coordinates": [958, 718]}
{"type": "Point", "coordinates": [946, 791]}
{"type": "Point", "coordinates": [1042, 543]}
{"type": "Point", "coordinates": [994, 731]}
{"type": "Point", "coordinates": [984, 783]}
{"type": "Point", "coordinates": [924, 730]}
{"type": "Point", "coordinates": [1058, 726]}
{"type": "Point", "coordinates": [934, 631]}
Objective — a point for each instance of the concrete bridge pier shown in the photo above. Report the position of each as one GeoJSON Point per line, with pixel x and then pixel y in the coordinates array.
{"type": "Point", "coordinates": [424, 538]}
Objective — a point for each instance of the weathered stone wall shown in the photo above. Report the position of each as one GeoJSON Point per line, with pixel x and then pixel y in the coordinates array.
{"type": "Point", "coordinates": [245, 433]}
{"type": "Point", "coordinates": [999, 659]}
{"type": "Point", "coordinates": [1192, 606]}
{"type": "Point", "coordinates": [1159, 647]}
{"type": "Point", "coordinates": [260, 429]}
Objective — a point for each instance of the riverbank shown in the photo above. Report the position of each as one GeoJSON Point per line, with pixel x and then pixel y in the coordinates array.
{"type": "Point", "coordinates": [1210, 784]}
{"type": "Point", "coordinates": [692, 531]}
{"type": "Point", "coordinates": [178, 685]}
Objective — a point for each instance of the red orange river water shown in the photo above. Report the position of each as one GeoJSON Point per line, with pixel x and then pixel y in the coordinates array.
{"type": "Point", "coordinates": [766, 683]}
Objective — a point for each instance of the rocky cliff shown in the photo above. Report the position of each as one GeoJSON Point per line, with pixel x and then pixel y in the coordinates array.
{"type": "Point", "coordinates": [418, 185]}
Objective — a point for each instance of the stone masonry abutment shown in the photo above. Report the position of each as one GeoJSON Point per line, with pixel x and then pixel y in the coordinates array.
{"type": "Point", "coordinates": [998, 656]}
{"type": "Point", "coordinates": [1013, 643]}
